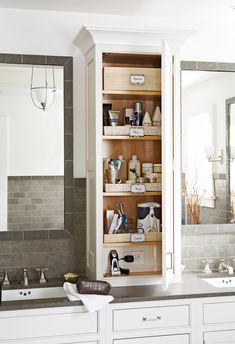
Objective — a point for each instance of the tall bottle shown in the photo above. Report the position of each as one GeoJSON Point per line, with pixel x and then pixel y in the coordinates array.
{"type": "Point", "coordinates": [123, 170]}
{"type": "Point", "coordinates": [133, 168]}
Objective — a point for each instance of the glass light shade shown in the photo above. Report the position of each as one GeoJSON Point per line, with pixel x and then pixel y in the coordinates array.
{"type": "Point", "coordinates": [44, 96]}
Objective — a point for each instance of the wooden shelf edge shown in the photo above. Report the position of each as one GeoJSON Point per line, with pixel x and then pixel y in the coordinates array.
{"type": "Point", "coordinates": [129, 138]}
{"type": "Point", "coordinates": [129, 194]}
{"type": "Point", "coordinates": [136, 274]}
{"type": "Point", "coordinates": [132, 92]}
{"type": "Point", "coordinates": [130, 244]}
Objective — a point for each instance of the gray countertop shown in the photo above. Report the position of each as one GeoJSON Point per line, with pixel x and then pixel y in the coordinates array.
{"type": "Point", "coordinates": [192, 286]}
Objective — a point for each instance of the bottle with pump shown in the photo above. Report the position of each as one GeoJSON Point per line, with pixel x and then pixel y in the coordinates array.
{"type": "Point", "coordinates": [133, 168]}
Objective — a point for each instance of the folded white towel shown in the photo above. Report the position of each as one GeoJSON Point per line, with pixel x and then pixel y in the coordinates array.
{"type": "Point", "coordinates": [92, 302]}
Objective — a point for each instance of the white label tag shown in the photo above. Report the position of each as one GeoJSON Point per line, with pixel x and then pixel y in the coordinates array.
{"type": "Point", "coordinates": [137, 238]}
{"type": "Point", "coordinates": [137, 79]}
{"type": "Point", "coordinates": [138, 188]}
{"type": "Point", "coordinates": [136, 132]}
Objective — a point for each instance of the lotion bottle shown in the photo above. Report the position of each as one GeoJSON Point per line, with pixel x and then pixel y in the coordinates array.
{"type": "Point", "coordinates": [133, 168]}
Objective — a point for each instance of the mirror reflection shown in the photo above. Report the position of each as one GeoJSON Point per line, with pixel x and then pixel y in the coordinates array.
{"type": "Point", "coordinates": [208, 147]}
{"type": "Point", "coordinates": [31, 148]}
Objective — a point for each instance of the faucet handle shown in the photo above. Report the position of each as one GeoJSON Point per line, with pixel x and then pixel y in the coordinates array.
{"type": "Point", "coordinates": [42, 274]}
{"type": "Point", "coordinates": [6, 278]}
{"type": "Point", "coordinates": [207, 268]}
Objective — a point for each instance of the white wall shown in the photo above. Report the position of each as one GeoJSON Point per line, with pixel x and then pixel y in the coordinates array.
{"type": "Point", "coordinates": [41, 32]}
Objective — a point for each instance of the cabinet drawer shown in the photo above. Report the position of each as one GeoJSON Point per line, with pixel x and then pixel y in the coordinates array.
{"type": "Point", "coordinates": [154, 317]}
{"type": "Point", "coordinates": [219, 337]}
{"type": "Point", "coordinates": [47, 325]}
{"type": "Point", "coordinates": [221, 312]}
{"type": "Point", "coordinates": [174, 339]}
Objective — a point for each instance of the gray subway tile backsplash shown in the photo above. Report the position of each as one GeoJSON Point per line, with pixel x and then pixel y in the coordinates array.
{"type": "Point", "coordinates": [58, 250]}
{"type": "Point", "coordinates": [34, 202]}
{"type": "Point", "coordinates": [213, 242]}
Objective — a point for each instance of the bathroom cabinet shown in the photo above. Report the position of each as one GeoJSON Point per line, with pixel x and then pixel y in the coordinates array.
{"type": "Point", "coordinates": [50, 325]}
{"type": "Point", "coordinates": [183, 321]}
{"type": "Point", "coordinates": [103, 47]}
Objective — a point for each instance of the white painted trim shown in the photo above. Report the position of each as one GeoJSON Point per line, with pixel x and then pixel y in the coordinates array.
{"type": "Point", "coordinates": [3, 173]}
{"type": "Point", "coordinates": [177, 171]}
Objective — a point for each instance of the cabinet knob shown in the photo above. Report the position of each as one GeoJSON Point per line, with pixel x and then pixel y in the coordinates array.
{"type": "Point", "coordinates": [158, 317]}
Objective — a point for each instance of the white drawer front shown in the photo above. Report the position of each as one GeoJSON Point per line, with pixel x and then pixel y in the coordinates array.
{"type": "Point", "coordinates": [220, 337]}
{"type": "Point", "coordinates": [176, 339]}
{"type": "Point", "coordinates": [222, 312]}
{"type": "Point", "coordinates": [48, 325]}
{"type": "Point", "coordinates": [154, 317]}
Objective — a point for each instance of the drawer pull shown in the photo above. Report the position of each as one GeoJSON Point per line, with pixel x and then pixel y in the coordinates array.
{"type": "Point", "coordinates": [158, 317]}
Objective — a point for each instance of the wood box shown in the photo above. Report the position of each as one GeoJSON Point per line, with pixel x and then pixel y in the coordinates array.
{"type": "Point", "coordinates": [153, 236]}
{"type": "Point", "coordinates": [125, 130]}
{"type": "Point", "coordinates": [109, 238]}
{"type": "Point", "coordinates": [119, 79]}
{"type": "Point", "coordinates": [126, 237]}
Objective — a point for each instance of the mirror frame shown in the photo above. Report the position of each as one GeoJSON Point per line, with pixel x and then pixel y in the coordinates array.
{"type": "Point", "coordinates": [228, 102]}
{"type": "Point", "coordinates": [209, 67]}
{"type": "Point", "coordinates": [67, 63]}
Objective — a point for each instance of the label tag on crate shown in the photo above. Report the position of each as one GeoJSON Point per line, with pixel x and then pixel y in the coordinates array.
{"type": "Point", "coordinates": [137, 237]}
{"type": "Point", "coordinates": [136, 132]}
{"type": "Point", "coordinates": [137, 79]}
{"type": "Point", "coordinates": [138, 188]}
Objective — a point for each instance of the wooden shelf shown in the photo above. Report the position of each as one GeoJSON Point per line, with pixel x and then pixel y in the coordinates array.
{"type": "Point", "coordinates": [131, 95]}
{"type": "Point", "coordinates": [136, 93]}
{"type": "Point", "coordinates": [131, 244]}
{"type": "Point", "coordinates": [128, 138]}
{"type": "Point", "coordinates": [130, 194]}
{"type": "Point", "coordinates": [137, 274]}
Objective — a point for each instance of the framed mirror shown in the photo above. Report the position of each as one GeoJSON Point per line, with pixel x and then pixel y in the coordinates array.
{"type": "Point", "coordinates": [36, 144]}
{"type": "Point", "coordinates": [208, 143]}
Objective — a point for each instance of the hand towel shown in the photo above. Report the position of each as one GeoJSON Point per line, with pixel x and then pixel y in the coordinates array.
{"type": "Point", "coordinates": [92, 302]}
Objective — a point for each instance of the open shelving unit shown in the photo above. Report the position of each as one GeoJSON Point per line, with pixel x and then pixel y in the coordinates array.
{"type": "Point", "coordinates": [148, 149]}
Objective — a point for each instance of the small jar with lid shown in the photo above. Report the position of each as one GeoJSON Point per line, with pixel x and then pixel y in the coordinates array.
{"type": "Point", "coordinates": [147, 168]}
{"type": "Point", "coordinates": [157, 168]}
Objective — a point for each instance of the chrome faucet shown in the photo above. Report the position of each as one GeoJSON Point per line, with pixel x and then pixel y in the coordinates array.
{"type": "Point", "coordinates": [25, 278]}
{"type": "Point", "coordinates": [224, 267]}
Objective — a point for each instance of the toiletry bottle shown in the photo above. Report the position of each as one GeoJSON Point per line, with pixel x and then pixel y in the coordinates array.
{"type": "Point", "coordinates": [157, 117]}
{"type": "Point", "coordinates": [123, 170]}
{"type": "Point", "coordinates": [147, 122]}
{"type": "Point", "coordinates": [137, 114]}
{"type": "Point", "coordinates": [133, 168]}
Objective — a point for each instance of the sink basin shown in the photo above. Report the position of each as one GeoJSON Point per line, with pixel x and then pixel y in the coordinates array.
{"type": "Point", "coordinates": [221, 282]}
{"type": "Point", "coordinates": [32, 293]}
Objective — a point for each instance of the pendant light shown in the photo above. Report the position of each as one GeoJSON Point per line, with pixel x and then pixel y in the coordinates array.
{"type": "Point", "coordinates": [43, 96]}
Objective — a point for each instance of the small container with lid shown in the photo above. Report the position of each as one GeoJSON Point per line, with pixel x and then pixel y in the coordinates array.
{"type": "Point", "coordinates": [147, 168]}
{"type": "Point", "coordinates": [157, 168]}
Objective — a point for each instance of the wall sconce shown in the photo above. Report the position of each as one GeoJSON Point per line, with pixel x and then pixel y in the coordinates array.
{"type": "Point", "coordinates": [210, 154]}
{"type": "Point", "coordinates": [232, 153]}
{"type": "Point", "coordinates": [43, 96]}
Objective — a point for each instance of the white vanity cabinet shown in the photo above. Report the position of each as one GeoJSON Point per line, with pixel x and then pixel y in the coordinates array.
{"type": "Point", "coordinates": [164, 322]}
{"type": "Point", "coordinates": [105, 47]}
{"type": "Point", "coordinates": [62, 325]}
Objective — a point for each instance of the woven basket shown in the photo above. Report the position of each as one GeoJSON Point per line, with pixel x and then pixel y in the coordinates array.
{"type": "Point", "coordinates": [117, 187]}
{"type": "Point", "coordinates": [125, 130]}
{"type": "Point", "coordinates": [153, 186]}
